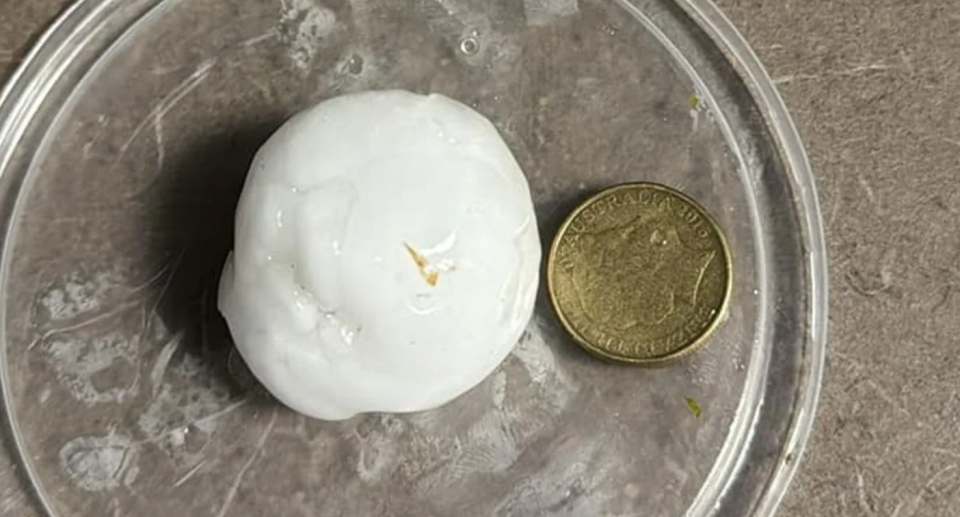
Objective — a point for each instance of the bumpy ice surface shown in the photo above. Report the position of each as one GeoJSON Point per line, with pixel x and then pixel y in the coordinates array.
{"type": "Point", "coordinates": [386, 256]}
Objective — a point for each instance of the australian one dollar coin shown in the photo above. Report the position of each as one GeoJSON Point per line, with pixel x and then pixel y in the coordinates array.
{"type": "Point", "coordinates": [640, 273]}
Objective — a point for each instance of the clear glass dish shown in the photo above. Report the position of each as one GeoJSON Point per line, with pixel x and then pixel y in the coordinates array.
{"type": "Point", "coordinates": [124, 140]}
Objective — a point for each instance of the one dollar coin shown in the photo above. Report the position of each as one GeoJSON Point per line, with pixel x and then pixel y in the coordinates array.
{"type": "Point", "coordinates": [640, 273]}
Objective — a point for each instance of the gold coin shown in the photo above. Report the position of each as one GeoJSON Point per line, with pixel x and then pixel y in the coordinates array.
{"type": "Point", "coordinates": [640, 273]}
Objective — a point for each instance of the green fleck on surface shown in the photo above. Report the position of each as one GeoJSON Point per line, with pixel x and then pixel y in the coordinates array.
{"type": "Point", "coordinates": [694, 407]}
{"type": "Point", "coordinates": [694, 102]}
{"type": "Point", "coordinates": [789, 459]}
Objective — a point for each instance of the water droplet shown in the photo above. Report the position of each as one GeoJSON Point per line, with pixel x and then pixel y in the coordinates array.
{"type": "Point", "coordinates": [422, 304]}
{"type": "Point", "coordinates": [349, 334]}
{"type": "Point", "coordinates": [469, 45]}
{"type": "Point", "coordinates": [355, 64]}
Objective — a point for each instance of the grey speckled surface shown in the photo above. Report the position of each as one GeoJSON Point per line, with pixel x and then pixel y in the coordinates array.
{"type": "Point", "coordinates": [871, 86]}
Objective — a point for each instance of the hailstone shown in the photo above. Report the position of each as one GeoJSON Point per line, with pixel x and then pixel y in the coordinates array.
{"type": "Point", "coordinates": [386, 256]}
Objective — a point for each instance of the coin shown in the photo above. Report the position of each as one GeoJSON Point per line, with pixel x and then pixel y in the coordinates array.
{"type": "Point", "coordinates": [640, 273]}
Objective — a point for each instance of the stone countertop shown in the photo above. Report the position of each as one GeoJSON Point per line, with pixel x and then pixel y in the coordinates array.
{"type": "Point", "coordinates": [868, 83]}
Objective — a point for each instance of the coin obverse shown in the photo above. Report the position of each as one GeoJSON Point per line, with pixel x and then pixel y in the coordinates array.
{"type": "Point", "coordinates": [640, 273]}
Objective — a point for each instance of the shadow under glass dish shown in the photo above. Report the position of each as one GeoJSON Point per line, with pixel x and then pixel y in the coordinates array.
{"type": "Point", "coordinates": [124, 144]}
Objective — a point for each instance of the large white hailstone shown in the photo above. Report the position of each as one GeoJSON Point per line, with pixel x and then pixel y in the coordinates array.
{"type": "Point", "coordinates": [386, 256]}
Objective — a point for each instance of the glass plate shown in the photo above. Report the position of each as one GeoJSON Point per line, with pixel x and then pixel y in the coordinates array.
{"type": "Point", "coordinates": [124, 140]}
